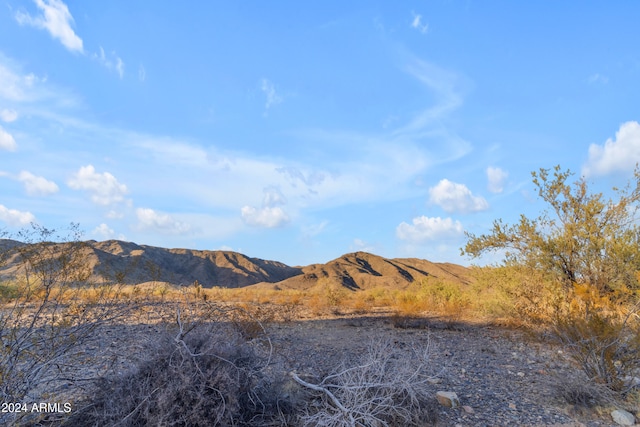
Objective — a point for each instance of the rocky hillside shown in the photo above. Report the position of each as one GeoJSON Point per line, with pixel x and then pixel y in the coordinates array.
{"type": "Point", "coordinates": [362, 270]}
{"type": "Point", "coordinates": [116, 261]}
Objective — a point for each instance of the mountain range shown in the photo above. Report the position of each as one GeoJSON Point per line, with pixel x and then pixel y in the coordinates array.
{"type": "Point", "coordinates": [129, 263]}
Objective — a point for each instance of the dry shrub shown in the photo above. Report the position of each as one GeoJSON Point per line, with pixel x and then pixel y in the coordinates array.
{"type": "Point", "coordinates": [44, 321]}
{"type": "Point", "coordinates": [387, 387]}
{"type": "Point", "coordinates": [401, 321]}
{"type": "Point", "coordinates": [581, 392]}
{"type": "Point", "coordinates": [327, 298]}
{"type": "Point", "coordinates": [409, 303]}
{"type": "Point", "coordinates": [360, 304]}
{"type": "Point", "coordinates": [605, 347]}
{"type": "Point", "coordinates": [199, 374]}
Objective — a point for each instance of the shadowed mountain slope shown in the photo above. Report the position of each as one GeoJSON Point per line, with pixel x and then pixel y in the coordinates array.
{"type": "Point", "coordinates": [362, 270]}
{"type": "Point", "coordinates": [114, 261]}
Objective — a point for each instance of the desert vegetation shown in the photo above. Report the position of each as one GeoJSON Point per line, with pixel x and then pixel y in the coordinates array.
{"type": "Point", "coordinates": [576, 270]}
{"type": "Point", "coordinates": [206, 357]}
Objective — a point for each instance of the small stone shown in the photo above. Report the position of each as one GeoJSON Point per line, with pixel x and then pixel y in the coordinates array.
{"type": "Point", "coordinates": [512, 406]}
{"type": "Point", "coordinates": [468, 409]}
{"type": "Point", "coordinates": [521, 374]}
{"type": "Point", "coordinates": [623, 418]}
{"type": "Point", "coordinates": [434, 380]}
{"type": "Point", "coordinates": [448, 399]}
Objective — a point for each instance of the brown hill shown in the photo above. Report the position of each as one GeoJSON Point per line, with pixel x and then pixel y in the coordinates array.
{"type": "Point", "coordinates": [362, 270]}
{"type": "Point", "coordinates": [114, 261]}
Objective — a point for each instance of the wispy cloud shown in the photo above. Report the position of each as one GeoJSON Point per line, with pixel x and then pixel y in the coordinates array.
{"type": "Point", "coordinates": [445, 85]}
{"type": "Point", "coordinates": [142, 73]}
{"type": "Point", "coordinates": [598, 78]}
{"type": "Point", "coordinates": [418, 24]}
{"type": "Point", "coordinates": [56, 19]}
{"type": "Point", "coordinates": [496, 178]}
{"type": "Point", "coordinates": [16, 218]}
{"type": "Point", "coordinates": [18, 87]}
{"type": "Point", "coordinates": [362, 246]}
{"type": "Point", "coordinates": [273, 98]}
{"type": "Point", "coordinates": [104, 188]}
{"type": "Point", "coordinates": [8, 116]}
{"type": "Point", "coordinates": [455, 197]}
{"type": "Point", "coordinates": [37, 185]}
{"type": "Point", "coordinates": [112, 62]}
{"type": "Point", "coordinates": [309, 231]}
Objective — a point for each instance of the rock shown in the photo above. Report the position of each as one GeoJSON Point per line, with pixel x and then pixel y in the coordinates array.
{"type": "Point", "coordinates": [448, 399]}
{"type": "Point", "coordinates": [623, 418]}
{"type": "Point", "coordinates": [468, 409]}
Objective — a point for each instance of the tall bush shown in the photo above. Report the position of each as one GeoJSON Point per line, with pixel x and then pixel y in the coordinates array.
{"type": "Point", "coordinates": [577, 264]}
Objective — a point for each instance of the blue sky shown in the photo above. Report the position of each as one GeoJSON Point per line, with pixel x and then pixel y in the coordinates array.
{"type": "Point", "coordinates": [299, 131]}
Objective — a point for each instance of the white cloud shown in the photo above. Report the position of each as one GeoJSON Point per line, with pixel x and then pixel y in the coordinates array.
{"type": "Point", "coordinates": [417, 24]}
{"type": "Point", "coordinates": [427, 229]}
{"type": "Point", "coordinates": [120, 67]}
{"type": "Point", "coordinates": [142, 73]}
{"type": "Point", "coordinates": [312, 230]}
{"type": "Point", "coordinates": [267, 217]}
{"type": "Point", "coordinates": [496, 178]}
{"type": "Point", "coordinates": [148, 219]}
{"type": "Point", "coordinates": [362, 246]}
{"type": "Point", "coordinates": [8, 116]}
{"type": "Point", "coordinates": [454, 197]}
{"type": "Point", "coordinates": [16, 218]}
{"type": "Point", "coordinates": [20, 87]}
{"type": "Point", "coordinates": [273, 197]}
{"type": "Point", "coordinates": [104, 187]}
{"type": "Point", "coordinates": [619, 154]}
{"type": "Point", "coordinates": [37, 185]}
{"type": "Point", "coordinates": [270, 215]}
{"type": "Point", "coordinates": [114, 63]}
{"type": "Point", "coordinates": [104, 231]}
{"type": "Point", "coordinates": [269, 90]}
{"type": "Point", "coordinates": [377, 166]}
{"type": "Point", "coordinates": [6, 140]}
{"type": "Point", "coordinates": [114, 214]}
{"type": "Point", "coordinates": [57, 20]}
{"type": "Point", "coordinates": [447, 88]}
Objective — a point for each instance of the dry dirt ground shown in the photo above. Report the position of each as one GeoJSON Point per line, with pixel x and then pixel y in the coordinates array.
{"type": "Point", "coordinates": [503, 377]}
